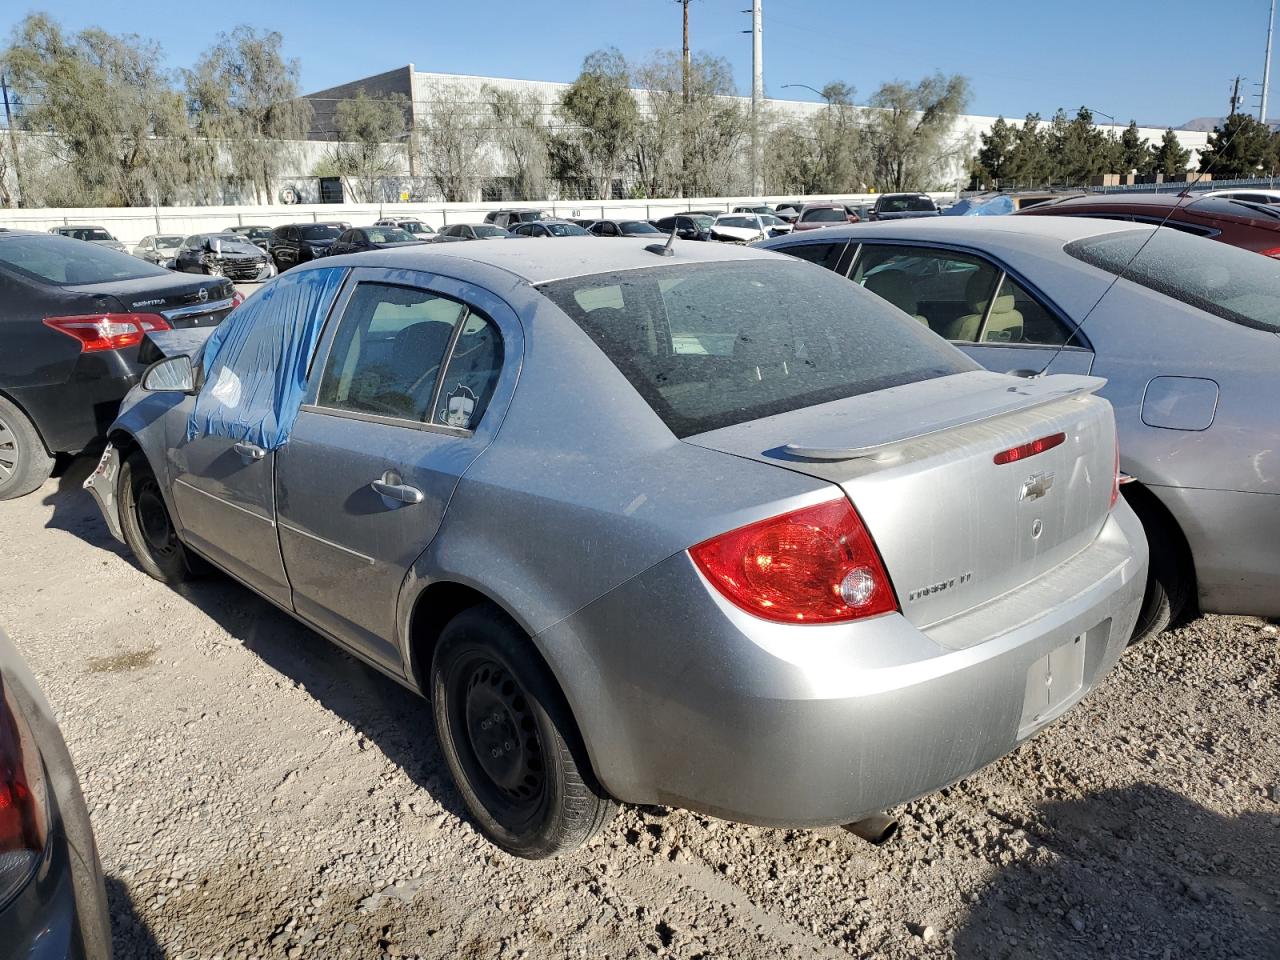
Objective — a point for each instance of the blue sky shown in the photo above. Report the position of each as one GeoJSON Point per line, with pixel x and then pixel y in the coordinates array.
{"type": "Point", "coordinates": [1159, 63]}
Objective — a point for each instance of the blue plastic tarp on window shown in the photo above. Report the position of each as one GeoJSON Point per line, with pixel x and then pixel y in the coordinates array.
{"type": "Point", "coordinates": [997, 206]}
{"type": "Point", "coordinates": [255, 362]}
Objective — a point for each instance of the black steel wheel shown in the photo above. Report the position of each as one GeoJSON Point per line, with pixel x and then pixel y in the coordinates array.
{"type": "Point", "coordinates": [510, 741]}
{"type": "Point", "coordinates": [24, 462]}
{"type": "Point", "coordinates": [147, 524]}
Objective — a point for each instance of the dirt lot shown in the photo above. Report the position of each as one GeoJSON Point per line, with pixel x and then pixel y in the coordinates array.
{"type": "Point", "coordinates": [257, 793]}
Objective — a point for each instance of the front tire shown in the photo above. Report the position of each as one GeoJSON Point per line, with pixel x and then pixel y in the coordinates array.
{"type": "Point", "coordinates": [147, 524]}
{"type": "Point", "coordinates": [510, 741]}
{"type": "Point", "coordinates": [24, 462]}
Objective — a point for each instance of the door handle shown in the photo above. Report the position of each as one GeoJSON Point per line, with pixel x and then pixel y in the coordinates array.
{"type": "Point", "coordinates": [390, 487]}
{"type": "Point", "coordinates": [250, 451]}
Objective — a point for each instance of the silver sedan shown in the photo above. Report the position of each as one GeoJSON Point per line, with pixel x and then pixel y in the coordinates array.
{"type": "Point", "coordinates": [706, 527]}
{"type": "Point", "coordinates": [1188, 341]}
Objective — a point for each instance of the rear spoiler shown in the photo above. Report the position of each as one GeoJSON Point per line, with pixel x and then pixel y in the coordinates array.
{"type": "Point", "coordinates": [867, 438]}
{"type": "Point", "coordinates": [161, 344]}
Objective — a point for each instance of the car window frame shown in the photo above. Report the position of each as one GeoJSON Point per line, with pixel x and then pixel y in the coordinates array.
{"type": "Point", "coordinates": [476, 300]}
{"type": "Point", "coordinates": [1075, 338]}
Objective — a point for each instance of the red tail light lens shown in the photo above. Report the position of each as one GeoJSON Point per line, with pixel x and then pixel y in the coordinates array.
{"type": "Point", "coordinates": [813, 565]}
{"type": "Point", "coordinates": [1273, 252]}
{"type": "Point", "coordinates": [24, 821]}
{"type": "Point", "coordinates": [107, 331]}
{"type": "Point", "coordinates": [237, 298]}
{"type": "Point", "coordinates": [1014, 454]}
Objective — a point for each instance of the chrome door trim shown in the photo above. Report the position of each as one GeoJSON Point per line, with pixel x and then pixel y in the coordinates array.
{"type": "Point", "coordinates": [226, 503]}
{"type": "Point", "coordinates": [328, 543]}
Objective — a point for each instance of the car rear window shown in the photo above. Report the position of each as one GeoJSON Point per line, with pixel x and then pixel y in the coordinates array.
{"type": "Point", "coordinates": [824, 215]}
{"type": "Point", "coordinates": [1231, 283]}
{"type": "Point", "coordinates": [61, 260]}
{"type": "Point", "coordinates": [320, 232]}
{"type": "Point", "coordinates": [714, 344]}
{"type": "Point", "coordinates": [86, 233]}
{"type": "Point", "coordinates": [905, 204]}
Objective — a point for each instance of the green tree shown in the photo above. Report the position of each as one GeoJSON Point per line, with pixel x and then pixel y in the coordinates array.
{"type": "Point", "coordinates": [1029, 163]}
{"type": "Point", "coordinates": [520, 135]}
{"type": "Point", "coordinates": [1135, 151]}
{"type": "Point", "coordinates": [369, 130]}
{"type": "Point", "coordinates": [1171, 158]}
{"type": "Point", "coordinates": [1079, 150]}
{"type": "Point", "coordinates": [910, 130]}
{"type": "Point", "coordinates": [243, 94]}
{"type": "Point", "coordinates": [1240, 147]}
{"type": "Point", "coordinates": [119, 135]}
{"type": "Point", "coordinates": [602, 114]}
{"type": "Point", "coordinates": [992, 164]}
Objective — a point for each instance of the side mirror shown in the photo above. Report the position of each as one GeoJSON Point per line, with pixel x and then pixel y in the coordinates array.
{"type": "Point", "coordinates": [173, 374]}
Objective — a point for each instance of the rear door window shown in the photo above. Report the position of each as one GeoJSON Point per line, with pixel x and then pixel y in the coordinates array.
{"type": "Point", "coordinates": [387, 352]}
{"type": "Point", "coordinates": [947, 291]}
{"type": "Point", "coordinates": [823, 254]}
{"type": "Point", "coordinates": [471, 376]}
{"type": "Point", "coordinates": [714, 344]}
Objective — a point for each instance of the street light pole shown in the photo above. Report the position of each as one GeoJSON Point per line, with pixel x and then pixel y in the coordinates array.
{"type": "Point", "coordinates": [786, 86]}
{"type": "Point", "coordinates": [757, 96]}
{"type": "Point", "coordinates": [1266, 66]}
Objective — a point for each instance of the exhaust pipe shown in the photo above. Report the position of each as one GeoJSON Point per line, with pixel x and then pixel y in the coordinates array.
{"type": "Point", "coordinates": [876, 829]}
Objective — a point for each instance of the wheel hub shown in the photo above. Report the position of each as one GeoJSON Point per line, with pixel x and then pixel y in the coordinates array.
{"type": "Point", "coordinates": [502, 733]}
{"type": "Point", "coordinates": [153, 518]}
{"type": "Point", "coordinates": [8, 451]}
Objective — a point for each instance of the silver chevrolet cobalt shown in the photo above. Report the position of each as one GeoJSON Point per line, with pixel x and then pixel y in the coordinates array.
{"type": "Point", "coordinates": [703, 526]}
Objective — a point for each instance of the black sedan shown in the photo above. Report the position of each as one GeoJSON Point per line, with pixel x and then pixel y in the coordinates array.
{"type": "Point", "coordinates": [548, 228]}
{"type": "Point", "coordinates": [224, 255]}
{"type": "Point", "coordinates": [53, 902]}
{"type": "Point", "coordinates": [623, 228]}
{"type": "Point", "coordinates": [296, 243]}
{"type": "Point", "coordinates": [259, 236]}
{"type": "Point", "coordinates": [688, 226]}
{"type": "Point", "coordinates": [71, 317]}
{"type": "Point", "coordinates": [372, 238]}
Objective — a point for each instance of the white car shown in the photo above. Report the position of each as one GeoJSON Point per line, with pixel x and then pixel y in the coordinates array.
{"type": "Point", "coordinates": [1247, 194]}
{"type": "Point", "coordinates": [747, 227]}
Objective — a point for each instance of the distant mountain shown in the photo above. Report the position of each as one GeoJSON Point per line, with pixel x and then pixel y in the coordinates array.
{"type": "Point", "coordinates": [1207, 124]}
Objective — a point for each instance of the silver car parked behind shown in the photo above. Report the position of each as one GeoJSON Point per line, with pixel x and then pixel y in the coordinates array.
{"type": "Point", "coordinates": [715, 529]}
{"type": "Point", "coordinates": [1189, 344]}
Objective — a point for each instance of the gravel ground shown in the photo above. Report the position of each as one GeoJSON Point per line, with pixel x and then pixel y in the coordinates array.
{"type": "Point", "coordinates": [257, 793]}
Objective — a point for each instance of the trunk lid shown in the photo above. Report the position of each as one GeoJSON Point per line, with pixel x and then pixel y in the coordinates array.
{"type": "Point", "coordinates": [184, 300]}
{"type": "Point", "coordinates": [955, 528]}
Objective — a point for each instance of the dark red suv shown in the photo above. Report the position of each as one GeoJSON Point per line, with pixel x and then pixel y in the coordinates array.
{"type": "Point", "coordinates": [1241, 223]}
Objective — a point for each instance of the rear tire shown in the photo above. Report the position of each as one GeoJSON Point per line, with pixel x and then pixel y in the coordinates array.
{"type": "Point", "coordinates": [147, 524]}
{"type": "Point", "coordinates": [24, 462]}
{"type": "Point", "coordinates": [1169, 579]}
{"type": "Point", "coordinates": [510, 741]}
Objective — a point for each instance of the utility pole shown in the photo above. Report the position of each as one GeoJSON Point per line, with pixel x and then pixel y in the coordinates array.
{"type": "Point", "coordinates": [685, 61]}
{"type": "Point", "coordinates": [13, 140]}
{"type": "Point", "coordinates": [757, 95]}
{"type": "Point", "coordinates": [1266, 65]}
{"type": "Point", "coordinates": [1235, 96]}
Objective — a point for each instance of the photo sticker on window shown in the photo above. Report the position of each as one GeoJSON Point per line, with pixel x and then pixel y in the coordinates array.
{"type": "Point", "coordinates": [460, 403]}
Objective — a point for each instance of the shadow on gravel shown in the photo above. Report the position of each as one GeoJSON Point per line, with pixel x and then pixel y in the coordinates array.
{"type": "Point", "coordinates": [1133, 873]}
{"type": "Point", "coordinates": [73, 508]}
{"type": "Point", "coordinates": [130, 935]}
{"type": "Point", "coordinates": [382, 711]}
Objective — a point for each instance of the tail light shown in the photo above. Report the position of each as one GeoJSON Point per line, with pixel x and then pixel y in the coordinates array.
{"type": "Point", "coordinates": [1021, 452]}
{"type": "Point", "coordinates": [1273, 252]}
{"type": "Point", "coordinates": [813, 565]}
{"type": "Point", "coordinates": [24, 820]}
{"type": "Point", "coordinates": [237, 298]}
{"type": "Point", "coordinates": [107, 331]}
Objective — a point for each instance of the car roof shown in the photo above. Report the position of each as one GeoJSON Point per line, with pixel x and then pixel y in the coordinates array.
{"type": "Point", "coordinates": [536, 262]}
{"type": "Point", "coordinates": [1117, 199]}
{"type": "Point", "coordinates": [1044, 233]}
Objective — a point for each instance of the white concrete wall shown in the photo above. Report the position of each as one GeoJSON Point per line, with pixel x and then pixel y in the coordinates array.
{"type": "Point", "coordinates": [131, 224]}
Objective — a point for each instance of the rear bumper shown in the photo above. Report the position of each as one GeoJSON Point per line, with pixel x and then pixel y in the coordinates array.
{"type": "Point", "coordinates": [71, 415]}
{"type": "Point", "coordinates": [683, 699]}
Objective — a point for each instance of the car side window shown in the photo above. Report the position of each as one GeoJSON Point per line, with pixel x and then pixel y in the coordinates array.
{"type": "Point", "coordinates": [387, 351]}
{"type": "Point", "coordinates": [469, 381]}
{"type": "Point", "coordinates": [823, 254]}
{"type": "Point", "coordinates": [1018, 317]}
{"type": "Point", "coordinates": [946, 290]}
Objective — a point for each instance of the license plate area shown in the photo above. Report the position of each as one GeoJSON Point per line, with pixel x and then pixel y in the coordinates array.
{"type": "Point", "coordinates": [1053, 682]}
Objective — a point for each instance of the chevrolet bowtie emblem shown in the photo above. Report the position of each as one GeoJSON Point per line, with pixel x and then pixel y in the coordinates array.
{"type": "Point", "coordinates": [1036, 486]}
